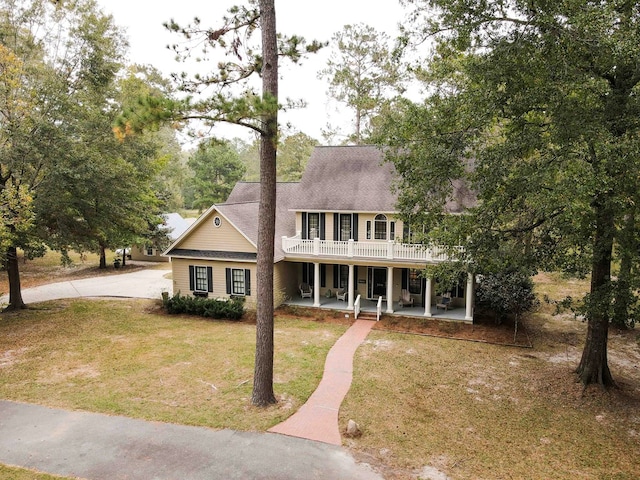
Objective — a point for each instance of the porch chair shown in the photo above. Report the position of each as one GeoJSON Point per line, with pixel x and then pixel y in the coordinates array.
{"type": "Point", "coordinates": [406, 300]}
{"type": "Point", "coordinates": [342, 294]}
{"type": "Point", "coordinates": [444, 302]}
{"type": "Point", "coordinates": [305, 290]}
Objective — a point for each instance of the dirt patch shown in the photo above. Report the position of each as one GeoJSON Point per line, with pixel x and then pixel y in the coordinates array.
{"type": "Point", "coordinates": [485, 331]}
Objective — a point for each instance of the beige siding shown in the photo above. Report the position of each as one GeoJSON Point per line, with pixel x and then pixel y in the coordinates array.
{"type": "Point", "coordinates": [139, 253]}
{"type": "Point", "coordinates": [285, 281]}
{"type": "Point", "coordinates": [224, 238]}
{"type": "Point", "coordinates": [180, 272]}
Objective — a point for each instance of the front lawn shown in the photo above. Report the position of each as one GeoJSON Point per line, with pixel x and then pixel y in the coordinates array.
{"type": "Point", "coordinates": [129, 358]}
{"type": "Point", "coordinates": [430, 407]}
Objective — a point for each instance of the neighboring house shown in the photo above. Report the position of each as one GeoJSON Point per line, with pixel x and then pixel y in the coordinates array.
{"type": "Point", "coordinates": [335, 229]}
{"type": "Point", "coordinates": [174, 226]}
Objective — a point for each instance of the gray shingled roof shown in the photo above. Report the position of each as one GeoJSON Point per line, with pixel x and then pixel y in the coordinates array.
{"type": "Point", "coordinates": [242, 205]}
{"type": "Point", "coordinates": [347, 178]}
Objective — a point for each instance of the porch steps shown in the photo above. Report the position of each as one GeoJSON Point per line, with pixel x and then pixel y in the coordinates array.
{"type": "Point", "coordinates": [367, 316]}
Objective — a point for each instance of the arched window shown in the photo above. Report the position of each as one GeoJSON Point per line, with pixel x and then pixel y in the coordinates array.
{"type": "Point", "coordinates": [380, 227]}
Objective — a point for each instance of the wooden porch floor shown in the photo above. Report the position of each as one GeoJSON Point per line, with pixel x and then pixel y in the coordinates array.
{"type": "Point", "coordinates": [453, 314]}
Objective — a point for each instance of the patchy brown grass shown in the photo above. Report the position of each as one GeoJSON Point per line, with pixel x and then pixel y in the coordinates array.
{"type": "Point", "coordinates": [129, 358]}
{"type": "Point", "coordinates": [431, 407]}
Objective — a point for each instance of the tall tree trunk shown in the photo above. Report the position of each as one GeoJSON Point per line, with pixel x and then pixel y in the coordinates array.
{"type": "Point", "coordinates": [623, 293]}
{"type": "Point", "coordinates": [103, 257]}
{"type": "Point", "coordinates": [593, 367]}
{"type": "Point", "coordinates": [13, 272]}
{"type": "Point", "coordinates": [263, 372]}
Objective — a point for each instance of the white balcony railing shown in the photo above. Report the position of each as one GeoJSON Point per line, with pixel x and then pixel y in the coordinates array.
{"type": "Point", "coordinates": [351, 249]}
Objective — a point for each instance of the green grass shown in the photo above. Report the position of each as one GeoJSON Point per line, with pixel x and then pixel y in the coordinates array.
{"type": "Point", "coordinates": [122, 358]}
{"type": "Point", "coordinates": [11, 473]}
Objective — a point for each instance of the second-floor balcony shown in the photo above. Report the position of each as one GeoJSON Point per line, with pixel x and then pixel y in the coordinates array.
{"type": "Point", "coordinates": [381, 250]}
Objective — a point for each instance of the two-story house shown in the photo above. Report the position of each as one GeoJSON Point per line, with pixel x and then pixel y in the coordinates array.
{"type": "Point", "coordinates": [336, 230]}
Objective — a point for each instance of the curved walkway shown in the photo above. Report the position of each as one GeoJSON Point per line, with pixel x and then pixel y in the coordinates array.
{"type": "Point", "coordinates": [317, 419]}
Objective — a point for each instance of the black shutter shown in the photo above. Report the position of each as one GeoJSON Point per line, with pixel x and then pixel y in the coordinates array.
{"type": "Point", "coordinates": [355, 278]}
{"type": "Point", "coordinates": [247, 282]}
{"type": "Point", "coordinates": [311, 275]}
{"type": "Point", "coordinates": [354, 227]}
{"type": "Point", "coordinates": [336, 226]}
{"type": "Point", "coordinates": [322, 226]}
{"type": "Point", "coordinates": [305, 277]}
{"type": "Point", "coordinates": [336, 276]}
{"type": "Point", "coordinates": [405, 278]}
{"type": "Point", "coordinates": [305, 220]}
{"type": "Point", "coordinates": [192, 277]}
{"type": "Point", "coordinates": [323, 275]}
{"type": "Point", "coordinates": [228, 275]}
{"type": "Point", "coordinates": [210, 279]}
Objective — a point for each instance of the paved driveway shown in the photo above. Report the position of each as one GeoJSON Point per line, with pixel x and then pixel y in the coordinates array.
{"type": "Point", "coordinates": [146, 283]}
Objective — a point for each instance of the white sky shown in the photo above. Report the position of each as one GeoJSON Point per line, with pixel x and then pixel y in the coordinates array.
{"type": "Point", "coordinates": [318, 20]}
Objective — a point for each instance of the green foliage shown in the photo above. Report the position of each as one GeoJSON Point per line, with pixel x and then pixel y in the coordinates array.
{"type": "Point", "coordinates": [231, 309]}
{"type": "Point", "coordinates": [533, 106]}
{"type": "Point", "coordinates": [293, 153]}
{"type": "Point", "coordinates": [506, 293]}
{"type": "Point", "coordinates": [216, 167]}
{"type": "Point", "coordinates": [362, 73]}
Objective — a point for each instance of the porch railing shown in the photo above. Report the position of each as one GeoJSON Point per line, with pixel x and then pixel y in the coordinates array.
{"type": "Point", "coordinates": [351, 249]}
{"type": "Point", "coordinates": [356, 307]}
{"type": "Point", "coordinates": [379, 309]}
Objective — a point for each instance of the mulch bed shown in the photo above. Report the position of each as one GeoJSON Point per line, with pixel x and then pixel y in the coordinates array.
{"type": "Point", "coordinates": [482, 330]}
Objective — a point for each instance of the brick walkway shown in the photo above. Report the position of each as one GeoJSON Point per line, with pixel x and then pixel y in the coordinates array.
{"type": "Point", "coordinates": [318, 418]}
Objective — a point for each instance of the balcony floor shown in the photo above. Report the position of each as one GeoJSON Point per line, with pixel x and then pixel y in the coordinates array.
{"type": "Point", "coordinates": [453, 314]}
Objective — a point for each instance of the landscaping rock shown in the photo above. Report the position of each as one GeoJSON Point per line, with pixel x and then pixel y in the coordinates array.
{"type": "Point", "coordinates": [353, 429]}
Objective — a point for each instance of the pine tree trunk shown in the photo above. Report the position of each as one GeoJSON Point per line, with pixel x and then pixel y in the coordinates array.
{"type": "Point", "coordinates": [263, 373]}
{"type": "Point", "coordinates": [13, 272]}
{"type": "Point", "coordinates": [593, 366]}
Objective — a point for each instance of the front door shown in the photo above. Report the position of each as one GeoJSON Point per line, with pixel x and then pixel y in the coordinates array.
{"type": "Point", "coordinates": [377, 282]}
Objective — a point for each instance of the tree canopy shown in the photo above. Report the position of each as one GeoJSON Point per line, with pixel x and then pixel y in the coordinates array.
{"type": "Point", "coordinates": [363, 72]}
{"type": "Point", "coordinates": [66, 181]}
{"type": "Point", "coordinates": [534, 106]}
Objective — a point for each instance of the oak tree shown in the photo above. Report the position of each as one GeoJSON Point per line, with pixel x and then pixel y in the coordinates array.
{"type": "Point", "coordinates": [534, 106]}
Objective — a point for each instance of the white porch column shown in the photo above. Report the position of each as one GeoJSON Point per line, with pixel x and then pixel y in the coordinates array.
{"type": "Point", "coordinates": [351, 299]}
{"type": "Point", "coordinates": [389, 289]}
{"type": "Point", "coordinates": [427, 298]}
{"type": "Point", "coordinates": [316, 284]}
{"type": "Point", "coordinates": [469, 298]}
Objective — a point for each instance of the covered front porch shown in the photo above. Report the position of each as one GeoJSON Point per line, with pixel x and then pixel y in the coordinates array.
{"type": "Point", "coordinates": [356, 288]}
{"type": "Point", "coordinates": [370, 306]}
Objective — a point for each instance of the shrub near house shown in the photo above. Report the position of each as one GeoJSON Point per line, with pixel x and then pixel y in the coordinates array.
{"type": "Point", "coordinates": [230, 309]}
